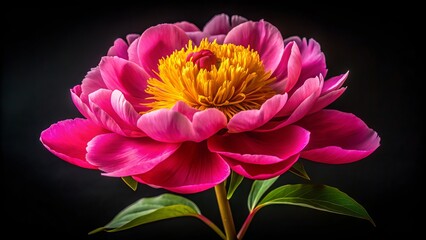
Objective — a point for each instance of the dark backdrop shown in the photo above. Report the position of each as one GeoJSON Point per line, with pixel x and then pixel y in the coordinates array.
{"type": "Point", "coordinates": [47, 51]}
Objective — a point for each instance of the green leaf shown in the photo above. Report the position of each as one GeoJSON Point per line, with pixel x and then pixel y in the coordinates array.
{"type": "Point", "coordinates": [235, 181]}
{"type": "Point", "coordinates": [320, 197]}
{"type": "Point", "coordinates": [130, 182]}
{"type": "Point", "coordinates": [258, 188]}
{"type": "Point", "coordinates": [299, 170]}
{"type": "Point", "coordinates": [147, 210]}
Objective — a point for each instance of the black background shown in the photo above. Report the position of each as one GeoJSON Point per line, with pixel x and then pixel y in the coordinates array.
{"type": "Point", "coordinates": [48, 49]}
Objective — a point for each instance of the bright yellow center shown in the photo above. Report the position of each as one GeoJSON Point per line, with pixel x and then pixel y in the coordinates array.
{"type": "Point", "coordinates": [237, 81]}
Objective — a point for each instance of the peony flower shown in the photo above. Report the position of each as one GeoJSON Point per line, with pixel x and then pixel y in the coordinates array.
{"type": "Point", "coordinates": [179, 108]}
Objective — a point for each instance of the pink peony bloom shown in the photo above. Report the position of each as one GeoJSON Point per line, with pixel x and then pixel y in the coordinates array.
{"type": "Point", "coordinates": [179, 108]}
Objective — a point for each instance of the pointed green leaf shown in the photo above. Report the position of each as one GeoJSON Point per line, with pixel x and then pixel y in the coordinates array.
{"type": "Point", "coordinates": [320, 197]}
{"type": "Point", "coordinates": [130, 182]}
{"type": "Point", "coordinates": [152, 209]}
{"type": "Point", "coordinates": [258, 188]}
{"type": "Point", "coordinates": [235, 181]}
{"type": "Point", "coordinates": [299, 170]}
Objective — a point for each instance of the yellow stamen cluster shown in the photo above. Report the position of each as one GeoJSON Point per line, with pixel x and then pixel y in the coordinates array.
{"type": "Point", "coordinates": [237, 82]}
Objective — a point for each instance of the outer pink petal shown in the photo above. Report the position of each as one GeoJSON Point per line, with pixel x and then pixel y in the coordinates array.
{"type": "Point", "coordinates": [288, 70]}
{"type": "Point", "coordinates": [261, 148]}
{"type": "Point", "coordinates": [115, 113]}
{"type": "Point", "coordinates": [132, 37]}
{"type": "Point", "coordinates": [91, 83]}
{"type": "Point", "coordinates": [254, 171]}
{"type": "Point", "coordinates": [262, 37]}
{"type": "Point", "coordinates": [187, 26]}
{"type": "Point", "coordinates": [237, 20]}
{"type": "Point", "coordinates": [119, 49]}
{"type": "Point", "coordinates": [120, 156]}
{"type": "Point", "coordinates": [81, 106]}
{"type": "Point", "coordinates": [125, 76]}
{"type": "Point", "coordinates": [219, 24]}
{"type": "Point", "coordinates": [338, 137]}
{"type": "Point", "coordinates": [156, 42]}
{"type": "Point", "coordinates": [68, 140]}
{"type": "Point", "coordinates": [167, 125]}
{"type": "Point", "coordinates": [334, 83]}
{"type": "Point", "coordinates": [298, 105]}
{"type": "Point", "coordinates": [191, 169]}
{"type": "Point", "coordinates": [252, 119]}
{"type": "Point", "coordinates": [326, 99]}
{"type": "Point", "coordinates": [313, 59]}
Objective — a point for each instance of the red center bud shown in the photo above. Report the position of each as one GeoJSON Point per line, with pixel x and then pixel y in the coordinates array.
{"type": "Point", "coordinates": [204, 59]}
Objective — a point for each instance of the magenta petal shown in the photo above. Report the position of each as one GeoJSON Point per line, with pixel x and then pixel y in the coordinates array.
{"type": "Point", "coordinates": [81, 106]}
{"type": "Point", "coordinates": [261, 148]}
{"type": "Point", "coordinates": [167, 125]}
{"type": "Point", "coordinates": [191, 169]}
{"type": "Point", "coordinates": [237, 20]}
{"type": "Point", "coordinates": [338, 137]}
{"type": "Point", "coordinates": [219, 24]}
{"type": "Point", "coordinates": [252, 119]}
{"type": "Point", "coordinates": [313, 59]}
{"type": "Point", "coordinates": [254, 171]}
{"type": "Point", "coordinates": [132, 37]}
{"type": "Point", "coordinates": [288, 70]}
{"type": "Point", "coordinates": [310, 89]}
{"type": "Point", "coordinates": [187, 26]}
{"type": "Point", "coordinates": [119, 49]}
{"type": "Point", "coordinates": [91, 83]}
{"type": "Point", "coordinates": [120, 156]}
{"type": "Point", "coordinates": [326, 99]}
{"type": "Point", "coordinates": [298, 105]}
{"type": "Point", "coordinates": [262, 37]}
{"type": "Point", "coordinates": [196, 37]}
{"type": "Point", "coordinates": [155, 43]}
{"type": "Point", "coordinates": [115, 113]}
{"type": "Point", "coordinates": [125, 76]}
{"type": "Point", "coordinates": [68, 140]}
{"type": "Point", "coordinates": [334, 83]}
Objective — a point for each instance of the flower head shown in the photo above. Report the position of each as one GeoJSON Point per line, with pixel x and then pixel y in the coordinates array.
{"type": "Point", "coordinates": [179, 108]}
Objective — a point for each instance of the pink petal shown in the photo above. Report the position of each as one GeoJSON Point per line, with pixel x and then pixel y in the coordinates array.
{"type": "Point", "coordinates": [191, 169]}
{"type": "Point", "coordinates": [68, 140]}
{"type": "Point", "coordinates": [237, 20]}
{"type": "Point", "coordinates": [132, 37]}
{"type": "Point", "coordinates": [338, 137]}
{"type": "Point", "coordinates": [252, 119]}
{"type": "Point", "coordinates": [155, 43]}
{"type": "Point", "coordinates": [91, 83]}
{"type": "Point", "coordinates": [262, 37]}
{"type": "Point", "coordinates": [326, 99]}
{"type": "Point", "coordinates": [334, 83]}
{"type": "Point", "coordinates": [119, 49]}
{"type": "Point", "coordinates": [261, 148]}
{"type": "Point", "coordinates": [311, 88]}
{"type": "Point", "coordinates": [254, 171]}
{"type": "Point", "coordinates": [288, 70]}
{"type": "Point", "coordinates": [219, 24]}
{"type": "Point", "coordinates": [168, 125]}
{"type": "Point", "coordinates": [313, 59]}
{"type": "Point", "coordinates": [187, 26]}
{"type": "Point", "coordinates": [81, 106]}
{"type": "Point", "coordinates": [298, 105]}
{"type": "Point", "coordinates": [196, 37]}
{"type": "Point", "coordinates": [125, 76]}
{"type": "Point", "coordinates": [115, 113]}
{"type": "Point", "coordinates": [120, 156]}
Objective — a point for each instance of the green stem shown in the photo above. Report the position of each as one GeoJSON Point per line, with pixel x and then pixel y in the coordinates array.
{"type": "Point", "coordinates": [246, 223]}
{"type": "Point", "coordinates": [212, 226]}
{"type": "Point", "coordinates": [225, 212]}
